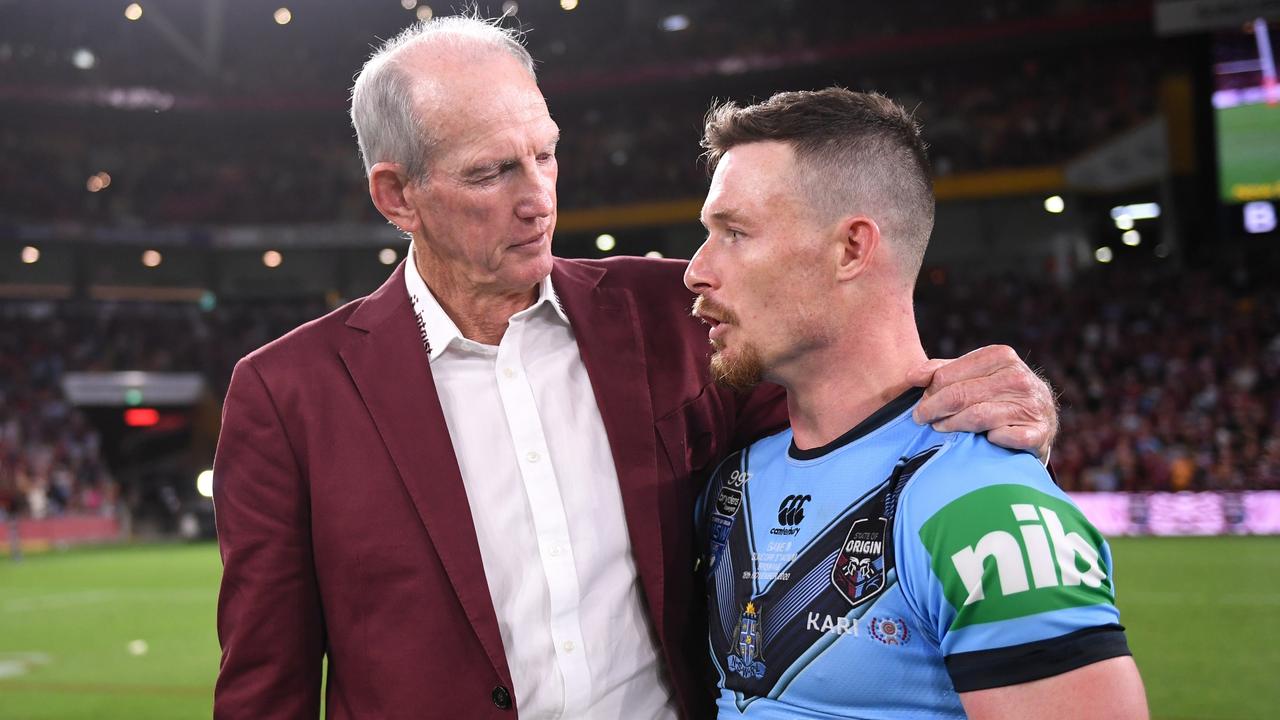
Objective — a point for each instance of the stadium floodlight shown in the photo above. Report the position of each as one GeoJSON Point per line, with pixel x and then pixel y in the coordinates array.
{"type": "Point", "coordinates": [1103, 254]}
{"type": "Point", "coordinates": [272, 258]}
{"type": "Point", "coordinates": [204, 483]}
{"type": "Point", "coordinates": [152, 258]}
{"type": "Point", "coordinates": [133, 12]}
{"type": "Point", "coordinates": [408, 4]}
{"type": "Point", "coordinates": [1131, 238]}
{"type": "Point", "coordinates": [653, 254]}
{"type": "Point", "coordinates": [283, 16]}
{"type": "Point", "coordinates": [1054, 204]}
{"type": "Point", "coordinates": [388, 256]}
{"type": "Point", "coordinates": [84, 59]}
{"type": "Point", "coordinates": [568, 5]}
{"type": "Point", "coordinates": [95, 183]}
{"type": "Point", "coordinates": [30, 255]}
{"type": "Point", "coordinates": [675, 23]}
{"type": "Point", "coordinates": [606, 242]}
{"type": "Point", "coordinates": [1124, 222]}
{"type": "Point", "coordinates": [510, 8]}
{"type": "Point", "coordinates": [1137, 211]}
{"type": "Point", "coordinates": [425, 13]}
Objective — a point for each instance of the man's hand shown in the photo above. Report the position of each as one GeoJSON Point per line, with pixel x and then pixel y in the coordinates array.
{"type": "Point", "coordinates": [988, 390]}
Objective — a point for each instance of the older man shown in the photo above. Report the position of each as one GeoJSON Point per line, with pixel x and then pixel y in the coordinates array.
{"type": "Point", "coordinates": [473, 490]}
{"type": "Point", "coordinates": [861, 564]}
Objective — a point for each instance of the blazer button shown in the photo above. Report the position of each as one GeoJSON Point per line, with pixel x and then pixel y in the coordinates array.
{"type": "Point", "coordinates": [501, 698]}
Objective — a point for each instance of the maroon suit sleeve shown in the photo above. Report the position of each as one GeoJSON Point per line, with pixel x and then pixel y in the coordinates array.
{"type": "Point", "coordinates": [269, 620]}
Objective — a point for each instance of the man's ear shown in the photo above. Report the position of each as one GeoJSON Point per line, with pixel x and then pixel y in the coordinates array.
{"type": "Point", "coordinates": [859, 238]}
{"type": "Point", "coordinates": [388, 186]}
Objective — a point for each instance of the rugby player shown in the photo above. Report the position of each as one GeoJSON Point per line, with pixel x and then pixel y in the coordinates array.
{"type": "Point", "coordinates": [861, 564]}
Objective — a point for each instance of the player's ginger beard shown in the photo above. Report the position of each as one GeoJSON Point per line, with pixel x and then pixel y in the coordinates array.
{"type": "Point", "coordinates": [740, 371]}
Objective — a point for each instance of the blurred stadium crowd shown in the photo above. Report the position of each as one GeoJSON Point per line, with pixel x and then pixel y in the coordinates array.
{"type": "Point", "coordinates": [266, 140]}
{"type": "Point", "coordinates": [51, 458]}
{"type": "Point", "coordinates": [1167, 382]}
{"type": "Point", "coordinates": [285, 169]}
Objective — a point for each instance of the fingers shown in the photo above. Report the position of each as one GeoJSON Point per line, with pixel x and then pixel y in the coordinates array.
{"type": "Point", "coordinates": [977, 363]}
{"type": "Point", "coordinates": [1031, 438]}
{"type": "Point", "coordinates": [985, 416]}
{"type": "Point", "coordinates": [1019, 387]}
{"type": "Point", "coordinates": [922, 375]}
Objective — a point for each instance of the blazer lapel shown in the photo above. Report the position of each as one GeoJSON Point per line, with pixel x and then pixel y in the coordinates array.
{"type": "Point", "coordinates": [389, 367]}
{"type": "Point", "coordinates": [607, 328]}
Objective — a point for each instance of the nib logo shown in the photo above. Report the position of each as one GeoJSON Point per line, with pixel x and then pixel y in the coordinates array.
{"type": "Point", "coordinates": [1011, 557]}
{"type": "Point", "coordinates": [1008, 551]}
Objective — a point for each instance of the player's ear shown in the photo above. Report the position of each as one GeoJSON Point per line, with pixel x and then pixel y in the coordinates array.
{"type": "Point", "coordinates": [859, 240]}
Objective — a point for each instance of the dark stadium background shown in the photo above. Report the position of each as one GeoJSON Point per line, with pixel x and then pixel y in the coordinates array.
{"type": "Point", "coordinates": [180, 188]}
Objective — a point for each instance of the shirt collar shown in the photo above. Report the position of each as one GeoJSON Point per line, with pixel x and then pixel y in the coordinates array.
{"type": "Point", "coordinates": [438, 329]}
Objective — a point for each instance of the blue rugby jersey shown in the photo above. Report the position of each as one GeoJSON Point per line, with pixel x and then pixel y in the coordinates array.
{"type": "Point", "coordinates": [881, 574]}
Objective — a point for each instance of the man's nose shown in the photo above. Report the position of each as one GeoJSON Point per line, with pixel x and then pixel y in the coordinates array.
{"type": "Point", "coordinates": [538, 196]}
{"type": "Point", "coordinates": [698, 276]}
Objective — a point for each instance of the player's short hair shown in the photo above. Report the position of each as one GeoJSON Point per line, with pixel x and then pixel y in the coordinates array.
{"type": "Point", "coordinates": [388, 126]}
{"type": "Point", "coordinates": [858, 152]}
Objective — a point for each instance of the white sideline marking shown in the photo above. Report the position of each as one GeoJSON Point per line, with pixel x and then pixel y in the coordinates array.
{"type": "Point", "coordinates": [16, 664]}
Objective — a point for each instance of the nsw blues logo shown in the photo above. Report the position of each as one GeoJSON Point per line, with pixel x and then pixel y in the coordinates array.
{"type": "Point", "coordinates": [745, 658]}
{"type": "Point", "coordinates": [859, 572]}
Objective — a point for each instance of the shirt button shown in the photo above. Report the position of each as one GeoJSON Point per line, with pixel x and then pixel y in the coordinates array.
{"type": "Point", "coordinates": [508, 373]}
{"type": "Point", "coordinates": [555, 551]}
{"type": "Point", "coordinates": [533, 456]}
{"type": "Point", "coordinates": [501, 698]}
{"type": "Point", "coordinates": [568, 646]}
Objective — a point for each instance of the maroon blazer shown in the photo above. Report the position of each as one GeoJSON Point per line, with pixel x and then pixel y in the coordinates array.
{"type": "Point", "coordinates": [344, 525]}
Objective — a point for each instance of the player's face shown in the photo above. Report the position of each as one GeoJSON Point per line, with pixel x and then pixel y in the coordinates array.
{"type": "Point", "coordinates": [488, 206]}
{"type": "Point", "coordinates": [759, 275]}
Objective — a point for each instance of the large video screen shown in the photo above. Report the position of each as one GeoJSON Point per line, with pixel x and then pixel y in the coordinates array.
{"type": "Point", "coordinates": [1246, 101]}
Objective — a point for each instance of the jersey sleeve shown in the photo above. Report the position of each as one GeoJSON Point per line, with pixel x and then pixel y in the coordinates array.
{"type": "Point", "coordinates": [1003, 570]}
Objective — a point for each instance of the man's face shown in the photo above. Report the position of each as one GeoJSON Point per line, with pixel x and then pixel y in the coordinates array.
{"type": "Point", "coordinates": [764, 269]}
{"type": "Point", "coordinates": [488, 207]}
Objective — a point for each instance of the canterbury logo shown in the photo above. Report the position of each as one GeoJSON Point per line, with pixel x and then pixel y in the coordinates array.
{"type": "Point", "coordinates": [1054, 557]}
{"type": "Point", "coordinates": [791, 511]}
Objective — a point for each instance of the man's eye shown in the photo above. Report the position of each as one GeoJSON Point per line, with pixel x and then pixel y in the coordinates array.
{"type": "Point", "coordinates": [546, 157]}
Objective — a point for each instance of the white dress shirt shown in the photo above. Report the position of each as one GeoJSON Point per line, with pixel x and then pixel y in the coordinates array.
{"type": "Point", "coordinates": [544, 497]}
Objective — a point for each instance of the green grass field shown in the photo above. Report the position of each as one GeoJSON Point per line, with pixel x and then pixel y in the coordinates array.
{"type": "Point", "coordinates": [1203, 617]}
{"type": "Point", "coordinates": [1249, 152]}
